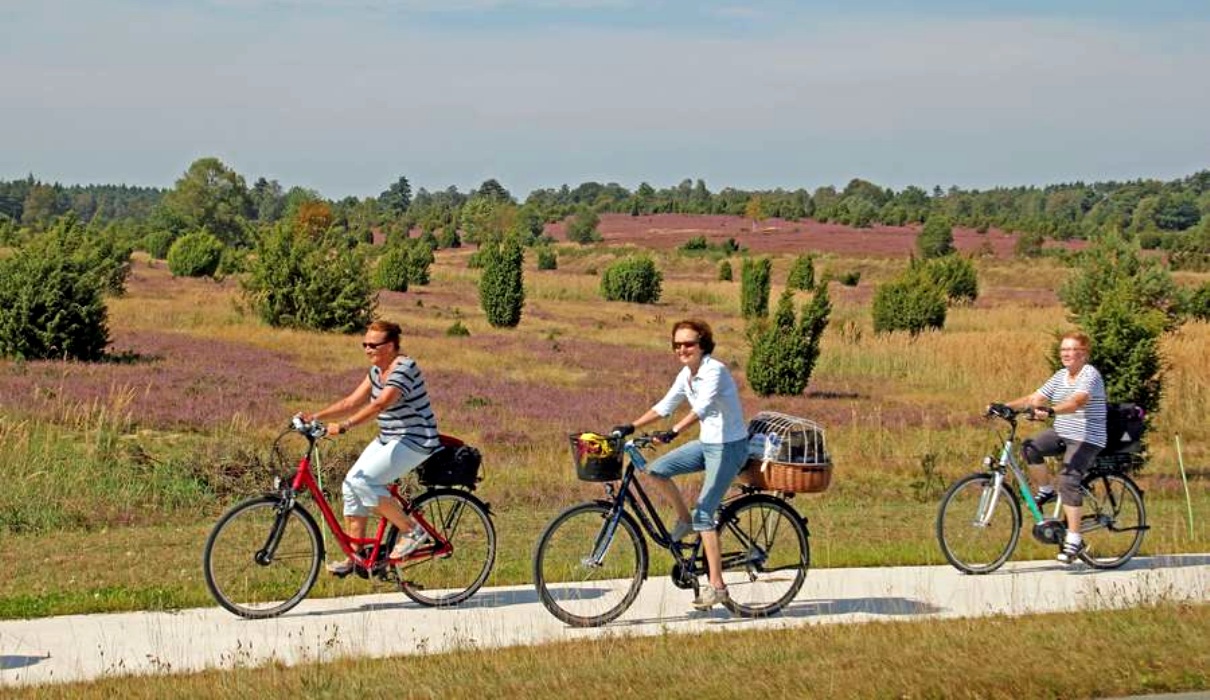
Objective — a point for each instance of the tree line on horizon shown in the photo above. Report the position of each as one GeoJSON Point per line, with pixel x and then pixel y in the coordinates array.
{"type": "Point", "coordinates": [212, 196]}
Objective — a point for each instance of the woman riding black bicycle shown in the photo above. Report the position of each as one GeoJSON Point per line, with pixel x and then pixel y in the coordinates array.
{"type": "Point", "coordinates": [721, 448]}
{"type": "Point", "coordinates": [1075, 396]}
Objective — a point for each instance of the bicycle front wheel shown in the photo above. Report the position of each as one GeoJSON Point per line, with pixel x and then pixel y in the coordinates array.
{"type": "Point", "coordinates": [450, 577]}
{"type": "Point", "coordinates": [978, 525]}
{"type": "Point", "coordinates": [765, 555]}
{"type": "Point", "coordinates": [1113, 521]}
{"type": "Point", "coordinates": [588, 573]}
{"type": "Point", "coordinates": [261, 558]}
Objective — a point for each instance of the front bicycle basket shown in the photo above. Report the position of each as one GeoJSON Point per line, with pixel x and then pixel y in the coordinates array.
{"type": "Point", "coordinates": [596, 457]}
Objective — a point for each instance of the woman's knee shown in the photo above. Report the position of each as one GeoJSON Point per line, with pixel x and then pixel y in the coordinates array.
{"type": "Point", "coordinates": [358, 495]}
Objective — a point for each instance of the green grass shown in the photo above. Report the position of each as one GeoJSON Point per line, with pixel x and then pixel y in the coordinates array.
{"type": "Point", "coordinates": [1153, 649]}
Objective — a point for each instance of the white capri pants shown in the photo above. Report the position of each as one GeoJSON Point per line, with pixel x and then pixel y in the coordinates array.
{"type": "Point", "coordinates": [378, 465]}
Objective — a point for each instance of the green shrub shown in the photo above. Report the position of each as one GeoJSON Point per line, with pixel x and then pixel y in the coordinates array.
{"type": "Point", "coordinates": [157, 243]}
{"type": "Point", "coordinates": [784, 352]}
{"type": "Point", "coordinates": [195, 255]}
{"type": "Point", "coordinates": [724, 271]}
{"type": "Point", "coordinates": [458, 330]}
{"type": "Point", "coordinates": [936, 238]}
{"type": "Point", "coordinates": [756, 281]}
{"type": "Point", "coordinates": [300, 282]}
{"type": "Point", "coordinates": [428, 240]}
{"type": "Point", "coordinates": [802, 273]}
{"type": "Point", "coordinates": [1029, 245]}
{"type": "Point", "coordinates": [547, 260]}
{"type": "Point", "coordinates": [583, 227]}
{"type": "Point", "coordinates": [1198, 303]}
{"type": "Point", "coordinates": [956, 276]}
{"type": "Point", "coordinates": [475, 260]}
{"type": "Point", "coordinates": [913, 302]}
{"type": "Point", "coordinates": [52, 303]}
{"type": "Point", "coordinates": [695, 243]}
{"type": "Point", "coordinates": [391, 272]}
{"type": "Point", "coordinates": [850, 278]}
{"type": "Point", "coordinates": [233, 261]}
{"type": "Point", "coordinates": [448, 238]}
{"type": "Point", "coordinates": [1125, 302]}
{"type": "Point", "coordinates": [501, 286]}
{"type": "Point", "coordinates": [419, 259]}
{"type": "Point", "coordinates": [634, 278]}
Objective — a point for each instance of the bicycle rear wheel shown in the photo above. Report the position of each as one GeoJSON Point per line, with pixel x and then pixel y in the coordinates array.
{"type": "Point", "coordinates": [587, 573]}
{"type": "Point", "coordinates": [977, 525]}
{"type": "Point", "coordinates": [260, 560]}
{"type": "Point", "coordinates": [1114, 520]}
{"type": "Point", "coordinates": [448, 579]}
{"type": "Point", "coordinates": [765, 555]}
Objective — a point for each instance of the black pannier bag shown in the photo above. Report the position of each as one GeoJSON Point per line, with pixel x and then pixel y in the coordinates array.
{"type": "Point", "coordinates": [451, 465]}
{"type": "Point", "coordinates": [1124, 426]}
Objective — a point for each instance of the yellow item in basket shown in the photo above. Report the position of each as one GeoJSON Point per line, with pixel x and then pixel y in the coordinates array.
{"type": "Point", "coordinates": [595, 445]}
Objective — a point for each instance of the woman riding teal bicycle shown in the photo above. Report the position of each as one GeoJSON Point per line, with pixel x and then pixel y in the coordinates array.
{"type": "Point", "coordinates": [721, 448]}
{"type": "Point", "coordinates": [1075, 396]}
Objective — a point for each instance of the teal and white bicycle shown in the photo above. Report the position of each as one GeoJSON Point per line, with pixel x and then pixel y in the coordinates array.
{"type": "Point", "coordinates": [979, 521]}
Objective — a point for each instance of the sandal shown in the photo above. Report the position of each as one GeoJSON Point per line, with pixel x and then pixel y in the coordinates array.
{"type": "Point", "coordinates": [410, 543]}
{"type": "Point", "coordinates": [342, 568]}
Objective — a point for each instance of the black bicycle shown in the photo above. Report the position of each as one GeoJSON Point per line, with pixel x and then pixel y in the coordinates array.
{"type": "Point", "coordinates": [590, 561]}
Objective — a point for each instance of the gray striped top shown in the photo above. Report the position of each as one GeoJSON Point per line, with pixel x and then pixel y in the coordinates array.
{"type": "Point", "coordinates": [1087, 424]}
{"type": "Point", "coordinates": [410, 419]}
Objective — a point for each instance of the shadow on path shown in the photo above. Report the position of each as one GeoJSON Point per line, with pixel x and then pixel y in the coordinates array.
{"type": "Point", "coordinates": [14, 661]}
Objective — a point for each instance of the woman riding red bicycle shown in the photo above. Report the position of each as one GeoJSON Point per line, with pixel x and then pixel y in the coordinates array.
{"type": "Point", "coordinates": [394, 392]}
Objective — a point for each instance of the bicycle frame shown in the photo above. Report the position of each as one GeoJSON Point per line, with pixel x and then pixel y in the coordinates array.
{"type": "Point", "coordinates": [304, 480]}
{"type": "Point", "coordinates": [1008, 464]}
{"type": "Point", "coordinates": [631, 492]}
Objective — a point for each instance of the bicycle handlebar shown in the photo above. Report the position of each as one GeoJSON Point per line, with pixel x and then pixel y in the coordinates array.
{"type": "Point", "coordinates": [313, 430]}
{"type": "Point", "coordinates": [1010, 414]}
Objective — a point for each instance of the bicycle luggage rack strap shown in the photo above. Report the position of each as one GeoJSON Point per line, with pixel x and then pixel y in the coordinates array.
{"type": "Point", "coordinates": [787, 453]}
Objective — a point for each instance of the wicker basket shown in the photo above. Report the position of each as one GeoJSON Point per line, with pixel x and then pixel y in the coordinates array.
{"type": "Point", "coordinates": [597, 458]}
{"type": "Point", "coordinates": [787, 453]}
{"type": "Point", "coordinates": [791, 478]}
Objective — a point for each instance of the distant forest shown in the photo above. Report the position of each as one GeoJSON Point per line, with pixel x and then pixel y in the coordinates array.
{"type": "Point", "coordinates": [1172, 215]}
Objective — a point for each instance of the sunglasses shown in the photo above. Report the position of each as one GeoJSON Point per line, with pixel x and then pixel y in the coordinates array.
{"type": "Point", "coordinates": [374, 346]}
{"type": "Point", "coordinates": [677, 345]}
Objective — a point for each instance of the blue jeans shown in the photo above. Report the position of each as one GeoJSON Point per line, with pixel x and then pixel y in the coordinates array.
{"type": "Point", "coordinates": [721, 462]}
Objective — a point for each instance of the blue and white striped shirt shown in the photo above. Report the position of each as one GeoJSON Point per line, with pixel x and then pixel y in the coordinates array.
{"type": "Point", "coordinates": [410, 419]}
{"type": "Point", "coordinates": [1087, 424]}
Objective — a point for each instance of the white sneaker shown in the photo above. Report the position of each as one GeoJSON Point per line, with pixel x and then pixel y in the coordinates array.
{"type": "Point", "coordinates": [1071, 551]}
{"type": "Point", "coordinates": [710, 596]}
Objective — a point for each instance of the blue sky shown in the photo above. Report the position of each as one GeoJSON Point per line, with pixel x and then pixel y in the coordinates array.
{"type": "Point", "coordinates": [344, 96]}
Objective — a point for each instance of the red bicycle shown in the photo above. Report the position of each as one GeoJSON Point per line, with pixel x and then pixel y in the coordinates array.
{"type": "Point", "coordinates": [264, 554]}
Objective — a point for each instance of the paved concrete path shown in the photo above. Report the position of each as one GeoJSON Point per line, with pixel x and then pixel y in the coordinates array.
{"type": "Point", "coordinates": [79, 647]}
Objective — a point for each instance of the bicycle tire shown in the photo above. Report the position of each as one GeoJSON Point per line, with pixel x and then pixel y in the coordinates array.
{"type": "Point", "coordinates": [1114, 520]}
{"type": "Point", "coordinates": [765, 554]}
{"type": "Point", "coordinates": [573, 589]}
{"type": "Point", "coordinates": [239, 575]}
{"type": "Point", "coordinates": [449, 579]}
{"type": "Point", "coordinates": [969, 547]}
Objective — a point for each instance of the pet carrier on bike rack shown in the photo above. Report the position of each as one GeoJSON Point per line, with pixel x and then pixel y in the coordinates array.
{"type": "Point", "coordinates": [787, 453]}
